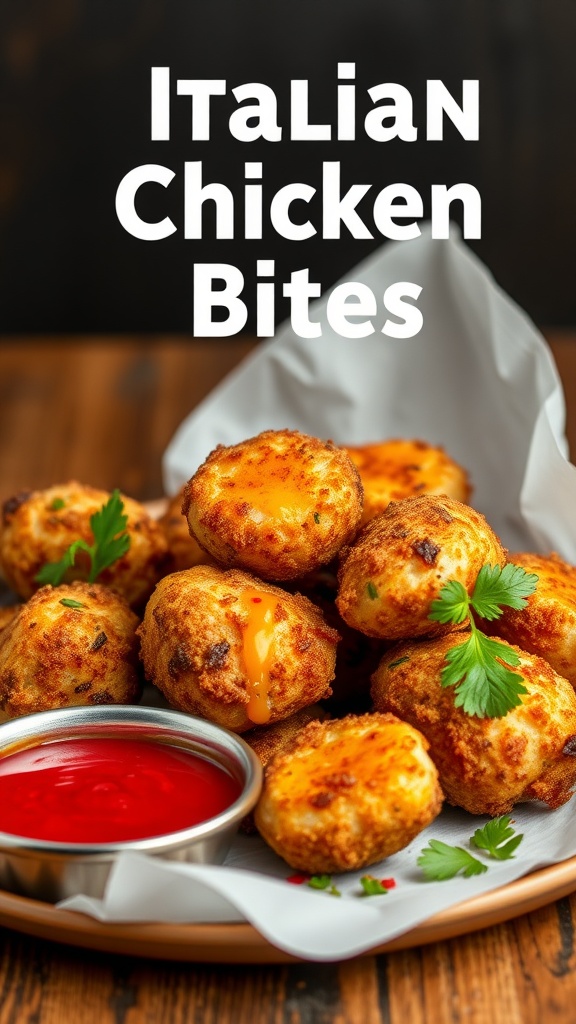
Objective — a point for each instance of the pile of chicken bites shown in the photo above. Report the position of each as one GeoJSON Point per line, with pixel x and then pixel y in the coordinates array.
{"type": "Point", "coordinates": [286, 594]}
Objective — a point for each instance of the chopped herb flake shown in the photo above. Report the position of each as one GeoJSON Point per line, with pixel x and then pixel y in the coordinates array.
{"type": "Point", "coordinates": [68, 602]}
{"type": "Point", "coordinates": [399, 661]}
{"type": "Point", "coordinates": [372, 590]}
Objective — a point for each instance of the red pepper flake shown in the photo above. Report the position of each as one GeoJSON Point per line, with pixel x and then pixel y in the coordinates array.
{"type": "Point", "coordinates": [256, 600]}
{"type": "Point", "coordinates": [388, 883]}
{"type": "Point", "coordinates": [298, 879]}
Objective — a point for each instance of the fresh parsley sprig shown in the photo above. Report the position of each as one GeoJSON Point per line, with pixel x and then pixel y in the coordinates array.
{"type": "Point", "coordinates": [485, 687]}
{"type": "Point", "coordinates": [492, 838]}
{"type": "Point", "coordinates": [111, 541]}
{"type": "Point", "coordinates": [440, 861]}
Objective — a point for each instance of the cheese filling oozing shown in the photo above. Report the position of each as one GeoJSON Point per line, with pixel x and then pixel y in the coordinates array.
{"type": "Point", "coordinates": [258, 651]}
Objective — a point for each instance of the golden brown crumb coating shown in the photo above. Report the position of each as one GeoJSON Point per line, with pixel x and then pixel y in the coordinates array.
{"type": "Point", "coordinates": [357, 655]}
{"type": "Point", "coordinates": [402, 559]}
{"type": "Point", "coordinates": [348, 793]}
{"type": "Point", "coordinates": [241, 652]}
{"type": "Point", "coordinates": [268, 740]}
{"type": "Point", "coordinates": [486, 765]}
{"type": "Point", "coordinates": [547, 626]}
{"type": "Point", "coordinates": [53, 655]}
{"type": "Point", "coordinates": [184, 550]}
{"type": "Point", "coordinates": [278, 504]}
{"type": "Point", "coordinates": [37, 527]}
{"type": "Point", "coordinates": [396, 469]}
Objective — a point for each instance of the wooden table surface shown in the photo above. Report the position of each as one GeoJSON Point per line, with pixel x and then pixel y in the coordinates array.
{"type": "Point", "coordinates": [103, 410]}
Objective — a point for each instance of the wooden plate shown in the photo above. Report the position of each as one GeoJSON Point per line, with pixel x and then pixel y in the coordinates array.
{"type": "Point", "coordinates": [241, 943]}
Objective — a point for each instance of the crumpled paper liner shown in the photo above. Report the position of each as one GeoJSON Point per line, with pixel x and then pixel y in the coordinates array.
{"type": "Point", "coordinates": [479, 380]}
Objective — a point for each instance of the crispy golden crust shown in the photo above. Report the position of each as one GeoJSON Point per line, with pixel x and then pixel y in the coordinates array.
{"type": "Point", "coordinates": [357, 655]}
{"type": "Point", "coordinates": [348, 793]}
{"type": "Point", "coordinates": [53, 656]}
{"type": "Point", "coordinates": [486, 765]}
{"type": "Point", "coordinates": [194, 646]}
{"type": "Point", "coordinates": [278, 504]}
{"type": "Point", "coordinates": [184, 551]}
{"type": "Point", "coordinates": [268, 740]}
{"type": "Point", "coordinates": [402, 559]}
{"type": "Point", "coordinates": [37, 527]}
{"type": "Point", "coordinates": [398, 468]}
{"type": "Point", "coordinates": [547, 626]}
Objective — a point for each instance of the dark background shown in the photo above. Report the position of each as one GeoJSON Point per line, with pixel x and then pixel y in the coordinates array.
{"type": "Point", "coordinates": [74, 118]}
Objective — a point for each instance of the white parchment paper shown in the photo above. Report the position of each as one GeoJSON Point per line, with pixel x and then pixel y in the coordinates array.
{"type": "Point", "coordinates": [478, 379]}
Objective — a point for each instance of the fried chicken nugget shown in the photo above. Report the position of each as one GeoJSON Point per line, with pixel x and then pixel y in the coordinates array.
{"type": "Point", "coordinates": [348, 793]}
{"type": "Point", "coordinates": [268, 740]}
{"type": "Point", "coordinates": [547, 626]}
{"type": "Point", "coordinates": [486, 765]}
{"type": "Point", "coordinates": [68, 645]}
{"type": "Point", "coordinates": [396, 469]}
{"type": "Point", "coordinates": [184, 550]}
{"type": "Point", "coordinates": [401, 560]}
{"type": "Point", "coordinates": [37, 527]}
{"type": "Point", "coordinates": [279, 504]}
{"type": "Point", "coordinates": [236, 650]}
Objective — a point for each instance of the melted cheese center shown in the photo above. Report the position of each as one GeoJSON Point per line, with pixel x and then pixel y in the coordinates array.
{"type": "Point", "coordinates": [270, 496]}
{"type": "Point", "coordinates": [258, 650]}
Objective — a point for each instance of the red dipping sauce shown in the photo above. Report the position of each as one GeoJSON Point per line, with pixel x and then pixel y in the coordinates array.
{"type": "Point", "coordinates": [103, 790]}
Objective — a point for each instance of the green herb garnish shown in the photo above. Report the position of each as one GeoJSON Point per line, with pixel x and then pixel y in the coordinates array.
{"type": "Point", "coordinates": [372, 590]}
{"type": "Point", "coordinates": [400, 661]}
{"type": "Point", "coordinates": [440, 861]}
{"type": "Point", "coordinates": [57, 504]}
{"type": "Point", "coordinates": [324, 882]}
{"type": "Point", "coordinates": [492, 838]}
{"type": "Point", "coordinates": [316, 517]}
{"type": "Point", "coordinates": [68, 602]}
{"type": "Point", "coordinates": [484, 686]}
{"type": "Point", "coordinates": [111, 541]}
{"type": "Point", "coordinates": [372, 886]}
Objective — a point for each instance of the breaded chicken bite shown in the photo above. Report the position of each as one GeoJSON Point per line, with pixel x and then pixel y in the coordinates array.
{"type": "Point", "coordinates": [348, 793]}
{"type": "Point", "coordinates": [226, 646]}
{"type": "Point", "coordinates": [68, 645]}
{"type": "Point", "coordinates": [357, 655]}
{"type": "Point", "coordinates": [402, 559]}
{"type": "Point", "coordinates": [396, 469]}
{"type": "Point", "coordinates": [269, 740]}
{"type": "Point", "coordinates": [486, 765]}
{"type": "Point", "coordinates": [279, 504]}
{"type": "Point", "coordinates": [547, 625]}
{"type": "Point", "coordinates": [184, 550]}
{"type": "Point", "coordinates": [37, 527]}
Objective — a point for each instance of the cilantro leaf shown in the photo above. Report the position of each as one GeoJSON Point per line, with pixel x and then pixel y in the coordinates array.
{"type": "Point", "coordinates": [54, 572]}
{"type": "Point", "coordinates": [111, 541]}
{"type": "Point", "coordinates": [440, 861]}
{"type": "Point", "coordinates": [493, 835]}
{"type": "Point", "coordinates": [452, 605]}
{"type": "Point", "coordinates": [372, 886]}
{"type": "Point", "coordinates": [69, 602]}
{"type": "Point", "coordinates": [496, 588]}
{"type": "Point", "coordinates": [324, 882]}
{"type": "Point", "coordinates": [484, 686]}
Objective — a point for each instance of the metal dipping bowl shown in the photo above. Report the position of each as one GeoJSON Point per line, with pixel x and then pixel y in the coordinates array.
{"type": "Point", "coordinates": [51, 870]}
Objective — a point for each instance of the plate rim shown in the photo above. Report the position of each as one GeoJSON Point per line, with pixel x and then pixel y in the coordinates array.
{"type": "Point", "coordinates": [242, 943]}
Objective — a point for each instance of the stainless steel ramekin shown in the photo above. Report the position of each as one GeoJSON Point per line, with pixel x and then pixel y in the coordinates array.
{"type": "Point", "coordinates": [50, 870]}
